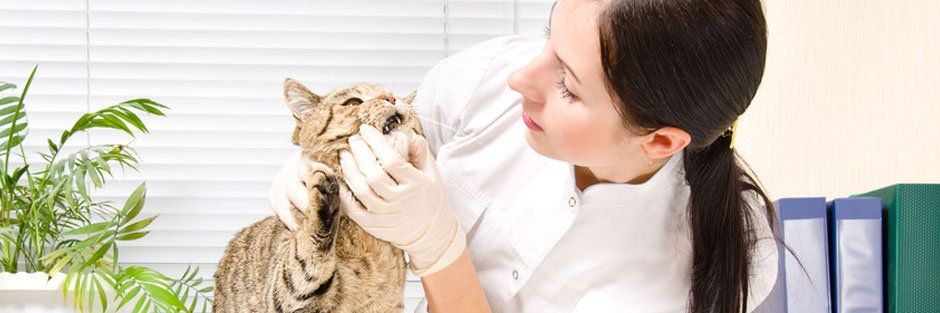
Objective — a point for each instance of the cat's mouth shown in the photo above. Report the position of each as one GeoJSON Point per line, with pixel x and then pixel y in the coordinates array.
{"type": "Point", "coordinates": [395, 132]}
{"type": "Point", "coordinates": [392, 122]}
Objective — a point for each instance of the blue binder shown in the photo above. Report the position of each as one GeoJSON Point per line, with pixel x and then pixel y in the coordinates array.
{"type": "Point", "coordinates": [803, 228]}
{"type": "Point", "coordinates": [855, 246]}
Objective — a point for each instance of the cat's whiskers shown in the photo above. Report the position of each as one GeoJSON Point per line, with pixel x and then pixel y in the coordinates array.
{"type": "Point", "coordinates": [432, 121]}
{"type": "Point", "coordinates": [321, 148]}
{"type": "Point", "coordinates": [415, 114]}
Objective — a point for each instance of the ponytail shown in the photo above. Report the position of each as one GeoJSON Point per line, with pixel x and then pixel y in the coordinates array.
{"type": "Point", "coordinates": [720, 220]}
{"type": "Point", "coordinates": [696, 65]}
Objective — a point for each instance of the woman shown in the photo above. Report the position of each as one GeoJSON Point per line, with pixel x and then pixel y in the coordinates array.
{"type": "Point", "coordinates": [625, 194]}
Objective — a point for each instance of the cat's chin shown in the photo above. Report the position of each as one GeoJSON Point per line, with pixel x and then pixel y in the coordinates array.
{"type": "Point", "coordinates": [398, 139]}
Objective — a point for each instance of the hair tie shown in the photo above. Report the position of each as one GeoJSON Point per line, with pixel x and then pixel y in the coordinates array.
{"type": "Point", "coordinates": [732, 131]}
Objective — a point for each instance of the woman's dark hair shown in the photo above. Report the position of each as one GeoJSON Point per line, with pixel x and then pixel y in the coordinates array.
{"type": "Point", "coordinates": [695, 65]}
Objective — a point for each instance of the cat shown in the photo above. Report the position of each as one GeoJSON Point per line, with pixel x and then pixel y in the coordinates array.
{"type": "Point", "coordinates": [329, 264]}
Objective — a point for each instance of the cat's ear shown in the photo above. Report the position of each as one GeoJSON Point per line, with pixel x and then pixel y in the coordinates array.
{"type": "Point", "coordinates": [409, 100]}
{"type": "Point", "coordinates": [307, 108]}
{"type": "Point", "coordinates": [301, 101]}
{"type": "Point", "coordinates": [410, 97]}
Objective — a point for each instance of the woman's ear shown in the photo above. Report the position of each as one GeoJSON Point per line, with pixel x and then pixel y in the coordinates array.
{"type": "Point", "coordinates": [665, 142]}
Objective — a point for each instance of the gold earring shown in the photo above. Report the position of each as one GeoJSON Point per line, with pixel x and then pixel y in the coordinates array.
{"type": "Point", "coordinates": [648, 159]}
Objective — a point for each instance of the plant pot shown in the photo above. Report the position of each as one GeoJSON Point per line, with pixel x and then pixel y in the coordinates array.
{"type": "Point", "coordinates": [31, 292]}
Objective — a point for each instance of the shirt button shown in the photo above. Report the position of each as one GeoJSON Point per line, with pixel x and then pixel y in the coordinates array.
{"type": "Point", "coordinates": [571, 202]}
{"type": "Point", "coordinates": [515, 274]}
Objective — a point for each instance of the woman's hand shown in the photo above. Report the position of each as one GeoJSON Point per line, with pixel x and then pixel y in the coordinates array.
{"type": "Point", "coordinates": [288, 194]}
{"type": "Point", "coordinates": [403, 203]}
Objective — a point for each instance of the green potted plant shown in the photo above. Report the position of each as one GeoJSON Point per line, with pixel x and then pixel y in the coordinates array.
{"type": "Point", "coordinates": [54, 236]}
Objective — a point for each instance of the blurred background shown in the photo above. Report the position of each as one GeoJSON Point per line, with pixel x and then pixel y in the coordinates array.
{"type": "Point", "coordinates": [850, 99]}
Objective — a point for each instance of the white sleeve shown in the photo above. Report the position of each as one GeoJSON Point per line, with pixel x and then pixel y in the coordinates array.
{"type": "Point", "coordinates": [423, 306]}
{"type": "Point", "coordinates": [764, 258]}
{"type": "Point", "coordinates": [448, 88]}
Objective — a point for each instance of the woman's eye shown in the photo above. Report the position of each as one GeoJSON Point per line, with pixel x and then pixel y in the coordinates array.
{"type": "Point", "coordinates": [352, 101]}
{"type": "Point", "coordinates": [565, 92]}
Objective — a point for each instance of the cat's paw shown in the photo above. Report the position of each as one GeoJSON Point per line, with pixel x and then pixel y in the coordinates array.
{"type": "Point", "coordinates": [323, 188]}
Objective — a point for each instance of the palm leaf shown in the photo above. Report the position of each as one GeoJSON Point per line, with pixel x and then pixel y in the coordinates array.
{"type": "Point", "coordinates": [54, 225]}
{"type": "Point", "coordinates": [116, 117]}
{"type": "Point", "coordinates": [13, 118]}
{"type": "Point", "coordinates": [188, 291]}
{"type": "Point", "coordinates": [5, 86]}
{"type": "Point", "coordinates": [154, 289]}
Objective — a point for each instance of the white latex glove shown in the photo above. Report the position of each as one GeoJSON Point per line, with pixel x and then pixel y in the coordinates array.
{"type": "Point", "coordinates": [405, 203]}
{"type": "Point", "coordinates": [288, 194]}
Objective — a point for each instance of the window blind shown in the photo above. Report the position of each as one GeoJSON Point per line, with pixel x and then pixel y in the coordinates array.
{"type": "Point", "coordinates": [220, 66]}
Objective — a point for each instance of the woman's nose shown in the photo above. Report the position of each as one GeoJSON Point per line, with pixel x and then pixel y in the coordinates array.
{"type": "Point", "coordinates": [525, 82]}
{"type": "Point", "coordinates": [533, 81]}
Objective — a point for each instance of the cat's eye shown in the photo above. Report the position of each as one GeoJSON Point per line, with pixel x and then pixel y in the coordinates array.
{"type": "Point", "coordinates": [352, 101]}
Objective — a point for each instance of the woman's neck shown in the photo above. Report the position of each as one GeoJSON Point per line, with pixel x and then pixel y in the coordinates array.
{"type": "Point", "coordinates": [587, 176]}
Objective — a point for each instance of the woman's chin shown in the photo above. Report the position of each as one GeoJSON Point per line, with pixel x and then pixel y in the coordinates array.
{"type": "Point", "coordinates": [538, 142]}
{"type": "Point", "coordinates": [535, 141]}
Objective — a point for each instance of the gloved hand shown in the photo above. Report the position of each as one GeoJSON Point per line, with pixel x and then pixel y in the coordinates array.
{"type": "Point", "coordinates": [405, 203]}
{"type": "Point", "coordinates": [287, 193]}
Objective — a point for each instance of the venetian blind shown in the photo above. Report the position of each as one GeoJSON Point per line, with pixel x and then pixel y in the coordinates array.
{"type": "Point", "coordinates": [220, 67]}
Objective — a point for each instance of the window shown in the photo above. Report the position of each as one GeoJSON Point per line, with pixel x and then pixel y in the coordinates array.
{"type": "Point", "coordinates": [220, 67]}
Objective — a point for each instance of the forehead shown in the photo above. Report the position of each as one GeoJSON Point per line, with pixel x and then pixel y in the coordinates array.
{"type": "Point", "coordinates": [575, 36]}
{"type": "Point", "coordinates": [363, 91]}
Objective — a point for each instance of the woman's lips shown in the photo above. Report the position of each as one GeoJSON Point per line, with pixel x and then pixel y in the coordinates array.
{"type": "Point", "coordinates": [529, 123]}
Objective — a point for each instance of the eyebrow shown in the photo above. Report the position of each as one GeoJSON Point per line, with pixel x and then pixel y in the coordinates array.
{"type": "Point", "coordinates": [567, 68]}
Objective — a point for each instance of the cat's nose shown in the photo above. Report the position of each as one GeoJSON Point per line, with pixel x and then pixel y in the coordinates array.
{"type": "Point", "coordinates": [390, 99]}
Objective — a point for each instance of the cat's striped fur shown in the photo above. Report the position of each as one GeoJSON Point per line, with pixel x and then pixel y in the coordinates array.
{"type": "Point", "coordinates": [329, 264]}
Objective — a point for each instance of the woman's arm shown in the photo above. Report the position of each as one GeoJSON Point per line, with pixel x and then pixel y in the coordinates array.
{"type": "Point", "coordinates": [455, 288]}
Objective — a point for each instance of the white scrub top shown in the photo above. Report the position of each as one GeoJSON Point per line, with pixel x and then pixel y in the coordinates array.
{"type": "Point", "coordinates": [538, 243]}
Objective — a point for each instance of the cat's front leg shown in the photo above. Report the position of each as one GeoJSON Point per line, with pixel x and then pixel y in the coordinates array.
{"type": "Point", "coordinates": [306, 275]}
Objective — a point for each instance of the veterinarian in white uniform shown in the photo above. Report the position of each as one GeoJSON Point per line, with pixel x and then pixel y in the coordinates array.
{"type": "Point", "coordinates": [538, 242]}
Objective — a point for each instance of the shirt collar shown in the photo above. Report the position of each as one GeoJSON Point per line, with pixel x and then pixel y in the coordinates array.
{"type": "Point", "coordinates": [621, 193]}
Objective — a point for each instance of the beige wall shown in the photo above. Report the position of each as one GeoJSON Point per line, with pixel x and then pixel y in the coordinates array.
{"type": "Point", "coordinates": [850, 99]}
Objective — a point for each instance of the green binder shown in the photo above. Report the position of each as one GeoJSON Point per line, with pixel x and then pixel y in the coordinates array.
{"type": "Point", "coordinates": [912, 246]}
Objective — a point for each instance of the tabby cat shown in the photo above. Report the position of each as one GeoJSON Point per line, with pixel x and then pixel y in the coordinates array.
{"type": "Point", "coordinates": [329, 264]}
